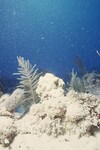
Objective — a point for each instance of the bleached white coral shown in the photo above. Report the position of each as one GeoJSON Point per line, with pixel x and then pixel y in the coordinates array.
{"type": "Point", "coordinates": [87, 119]}
{"type": "Point", "coordinates": [7, 131]}
{"type": "Point", "coordinates": [69, 115]}
{"type": "Point", "coordinates": [75, 112]}
{"type": "Point", "coordinates": [50, 86]}
{"type": "Point", "coordinates": [45, 118]}
{"type": "Point", "coordinates": [12, 101]}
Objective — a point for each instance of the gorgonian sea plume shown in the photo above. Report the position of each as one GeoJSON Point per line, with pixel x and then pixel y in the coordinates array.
{"type": "Point", "coordinates": [28, 79]}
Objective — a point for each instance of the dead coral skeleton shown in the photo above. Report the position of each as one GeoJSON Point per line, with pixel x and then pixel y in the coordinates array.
{"type": "Point", "coordinates": [50, 86]}
{"type": "Point", "coordinates": [73, 114]}
{"type": "Point", "coordinates": [7, 130]}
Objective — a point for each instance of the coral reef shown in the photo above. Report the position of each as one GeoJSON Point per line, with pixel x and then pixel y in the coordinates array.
{"type": "Point", "coordinates": [83, 113]}
{"type": "Point", "coordinates": [73, 114]}
{"type": "Point", "coordinates": [70, 118]}
{"type": "Point", "coordinates": [50, 86]}
{"type": "Point", "coordinates": [10, 102]}
{"type": "Point", "coordinates": [7, 130]}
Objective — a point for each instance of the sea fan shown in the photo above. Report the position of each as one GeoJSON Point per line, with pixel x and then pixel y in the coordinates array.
{"type": "Point", "coordinates": [28, 80]}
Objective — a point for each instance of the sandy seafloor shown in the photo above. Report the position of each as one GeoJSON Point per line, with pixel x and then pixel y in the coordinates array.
{"type": "Point", "coordinates": [33, 142]}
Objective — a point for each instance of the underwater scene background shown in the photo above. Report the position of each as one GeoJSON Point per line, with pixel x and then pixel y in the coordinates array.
{"type": "Point", "coordinates": [50, 33]}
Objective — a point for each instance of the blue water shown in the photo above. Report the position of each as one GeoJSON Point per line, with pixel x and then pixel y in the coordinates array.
{"type": "Point", "coordinates": [50, 33]}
